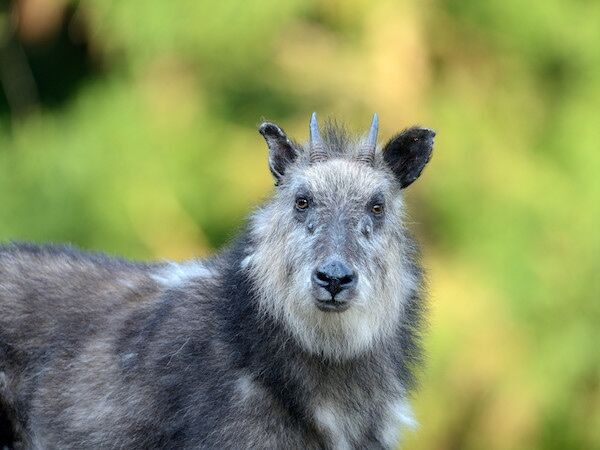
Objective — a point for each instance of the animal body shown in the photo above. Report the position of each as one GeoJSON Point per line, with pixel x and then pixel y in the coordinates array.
{"type": "Point", "coordinates": [302, 334]}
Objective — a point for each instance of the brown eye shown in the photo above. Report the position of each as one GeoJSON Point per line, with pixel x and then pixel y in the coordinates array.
{"type": "Point", "coordinates": [377, 209]}
{"type": "Point", "coordinates": [301, 203]}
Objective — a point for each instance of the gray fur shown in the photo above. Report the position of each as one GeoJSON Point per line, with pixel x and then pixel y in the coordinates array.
{"type": "Point", "coordinates": [230, 352]}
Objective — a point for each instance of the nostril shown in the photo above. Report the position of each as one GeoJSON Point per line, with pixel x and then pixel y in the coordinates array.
{"type": "Point", "coordinates": [322, 278]}
{"type": "Point", "coordinates": [347, 280]}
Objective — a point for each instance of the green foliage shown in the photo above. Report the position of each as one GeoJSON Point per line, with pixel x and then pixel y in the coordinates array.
{"type": "Point", "coordinates": [156, 155]}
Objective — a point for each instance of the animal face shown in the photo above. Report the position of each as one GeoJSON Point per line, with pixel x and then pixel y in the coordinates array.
{"type": "Point", "coordinates": [341, 224]}
{"type": "Point", "coordinates": [330, 257]}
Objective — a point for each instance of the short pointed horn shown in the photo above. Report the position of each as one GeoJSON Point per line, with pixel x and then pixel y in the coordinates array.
{"type": "Point", "coordinates": [366, 153]}
{"type": "Point", "coordinates": [317, 148]}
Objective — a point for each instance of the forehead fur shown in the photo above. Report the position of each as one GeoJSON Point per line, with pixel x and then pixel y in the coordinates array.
{"type": "Point", "coordinates": [345, 177]}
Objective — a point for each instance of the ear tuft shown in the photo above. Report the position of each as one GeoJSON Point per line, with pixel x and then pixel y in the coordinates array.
{"type": "Point", "coordinates": [281, 150]}
{"type": "Point", "coordinates": [270, 129]}
{"type": "Point", "coordinates": [407, 154]}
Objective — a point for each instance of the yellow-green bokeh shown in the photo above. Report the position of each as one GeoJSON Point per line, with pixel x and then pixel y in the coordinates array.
{"type": "Point", "coordinates": [157, 156]}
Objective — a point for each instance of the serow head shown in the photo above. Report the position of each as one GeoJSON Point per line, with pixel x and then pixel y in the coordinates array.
{"type": "Point", "coordinates": [331, 242]}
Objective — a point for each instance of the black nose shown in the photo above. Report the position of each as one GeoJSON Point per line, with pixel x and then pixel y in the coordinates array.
{"type": "Point", "coordinates": [335, 276]}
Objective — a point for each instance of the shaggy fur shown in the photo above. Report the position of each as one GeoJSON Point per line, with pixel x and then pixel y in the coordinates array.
{"type": "Point", "coordinates": [230, 352]}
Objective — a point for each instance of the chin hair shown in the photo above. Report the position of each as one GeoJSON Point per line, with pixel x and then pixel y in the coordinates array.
{"type": "Point", "coordinates": [367, 323]}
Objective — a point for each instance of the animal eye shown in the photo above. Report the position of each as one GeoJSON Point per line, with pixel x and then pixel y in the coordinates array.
{"type": "Point", "coordinates": [301, 203]}
{"type": "Point", "coordinates": [377, 209]}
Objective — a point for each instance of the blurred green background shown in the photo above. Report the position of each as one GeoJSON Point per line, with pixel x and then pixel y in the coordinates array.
{"type": "Point", "coordinates": [129, 126]}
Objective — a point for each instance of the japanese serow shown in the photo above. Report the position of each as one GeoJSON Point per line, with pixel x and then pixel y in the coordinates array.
{"type": "Point", "coordinates": [302, 334]}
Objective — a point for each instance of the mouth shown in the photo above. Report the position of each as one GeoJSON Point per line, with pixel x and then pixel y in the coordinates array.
{"type": "Point", "coordinates": [332, 305]}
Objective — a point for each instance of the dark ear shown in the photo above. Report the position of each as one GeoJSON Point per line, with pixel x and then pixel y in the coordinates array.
{"type": "Point", "coordinates": [408, 153]}
{"type": "Point", "coordinates": [281, 149]}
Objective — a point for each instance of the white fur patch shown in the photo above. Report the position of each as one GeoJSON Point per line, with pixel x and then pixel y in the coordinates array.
{"type": "Point", "coordinates": [128, 357]}
{"type": "Point", "coordinates": [32, 439]}
{"type": "Point", "coordinates": [343, 428]}
{"type": "Point", "coordinates": [399, 417]}
{"type": "Point", "coordinates": [128, 284]}
{"type": "Point", "coordinates": [245, 387]}
{"type": "Point", "coordinates": [177, 274]}
{"type": "Point", "coordinates": [246, 261]}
